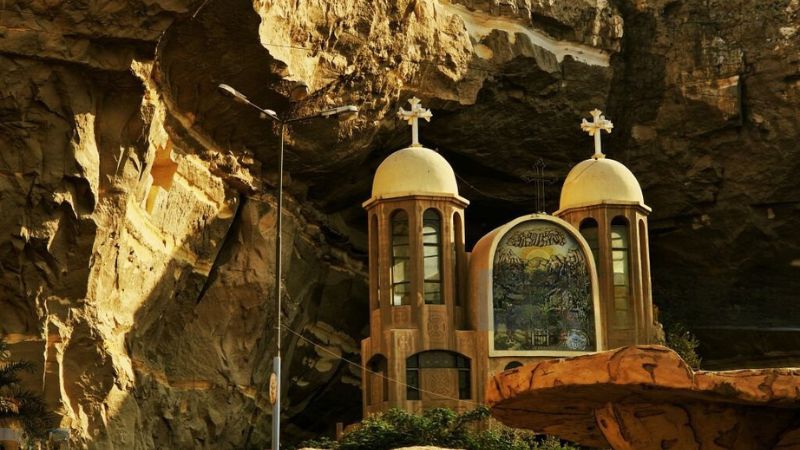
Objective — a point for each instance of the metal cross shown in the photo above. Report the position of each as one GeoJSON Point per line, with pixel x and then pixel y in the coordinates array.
{"type": "Point", "coordinates": [417, 112]}
{"type": "Point", "coordinates": [595, 128]}
{"type": "Point", "coordinates": [540, 181]}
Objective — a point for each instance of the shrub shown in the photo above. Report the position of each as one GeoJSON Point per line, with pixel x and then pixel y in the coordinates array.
{"type": "Point", "coordinates": [685, 344]}
{"type": "Point", "coordinates": [440, 427]}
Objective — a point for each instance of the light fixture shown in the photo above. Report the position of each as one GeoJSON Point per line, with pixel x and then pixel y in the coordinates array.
{"type": "Point", "coordinates": [275, 378]}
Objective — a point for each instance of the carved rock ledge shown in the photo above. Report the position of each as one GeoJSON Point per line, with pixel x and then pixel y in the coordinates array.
{"type": "Point", "coordinates": [646, 397]}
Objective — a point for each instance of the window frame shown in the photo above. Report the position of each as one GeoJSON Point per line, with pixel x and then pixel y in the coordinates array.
{"type": "Point", "coordinates": [590, 223]}
{"type": "Point", "coordinates": [378, 366]}
{"type": "Point", "coordinates": [626, 300]}
{"type": "Point", "coordinates": [405, 299]}
{"type": "Point", "coordinates": [416, 363]}
{"type": "Point", "coordinates": [437, 245]}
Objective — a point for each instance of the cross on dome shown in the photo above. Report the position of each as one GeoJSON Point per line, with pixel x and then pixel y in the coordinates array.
{"type": "Point", "coordinates": [595, 128]}
{"type": "Point", "coordinates": [412, 116]}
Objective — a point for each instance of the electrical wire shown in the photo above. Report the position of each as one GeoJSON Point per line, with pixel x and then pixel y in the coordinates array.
{"type": "Point", "coordinates": [486, 194]}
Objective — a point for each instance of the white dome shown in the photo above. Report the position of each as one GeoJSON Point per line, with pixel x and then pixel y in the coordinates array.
{"type": "Point", "coordinates": [598, 181]}
{"type": "Point", "coordinates": [414, 170]}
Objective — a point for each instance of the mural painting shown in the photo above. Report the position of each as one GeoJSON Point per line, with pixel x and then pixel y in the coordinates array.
{"type": "Point", "coordinates": [542, 296]}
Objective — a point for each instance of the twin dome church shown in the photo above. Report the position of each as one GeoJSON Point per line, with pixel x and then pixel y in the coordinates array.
{"type": "Point", "coordinates": [442, 320]}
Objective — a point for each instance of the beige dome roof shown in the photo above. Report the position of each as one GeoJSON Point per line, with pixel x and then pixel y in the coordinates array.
{"type": "Point", "coordinates": [597, 181]}
{"type": "Point", "coordinates": [414, 170]}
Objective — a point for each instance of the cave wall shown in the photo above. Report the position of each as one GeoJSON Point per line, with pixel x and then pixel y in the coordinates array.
{"type": "Point", "coordinates": [138, 203]}
{"type": "Point", "coordinates": [707, 101]}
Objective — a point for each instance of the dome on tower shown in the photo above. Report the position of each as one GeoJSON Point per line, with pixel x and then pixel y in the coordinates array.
{"type": "Point", "coordinates": [414, 170]}
{"type": "Point", "coordinates": [600, 180]}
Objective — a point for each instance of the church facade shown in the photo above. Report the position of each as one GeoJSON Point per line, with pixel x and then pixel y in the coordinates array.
{"type": "Point", "coordinates": [442, 319]}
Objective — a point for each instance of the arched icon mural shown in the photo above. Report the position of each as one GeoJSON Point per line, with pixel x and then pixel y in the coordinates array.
{"type": "Point", "coordinates": [541, 289]}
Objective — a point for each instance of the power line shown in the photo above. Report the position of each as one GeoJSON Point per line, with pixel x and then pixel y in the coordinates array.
{"type": "Point", "coordinates": [320, 347]}
{"type": "Point", "coordinates": [486, 194]}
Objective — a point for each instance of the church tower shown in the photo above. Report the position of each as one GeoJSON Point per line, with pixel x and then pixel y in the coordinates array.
{"type": "Point", "coordinates": [603, 199]}
{"type": "Point", "coordinates": [416, 355]}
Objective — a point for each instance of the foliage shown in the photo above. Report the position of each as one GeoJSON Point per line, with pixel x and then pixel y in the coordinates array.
{"type": "Point", "coordinates": [439, 427]}
{"type": "Point", "coordinates": [16, 403]}
{"type": "Point", "coordinates": [685, 344]}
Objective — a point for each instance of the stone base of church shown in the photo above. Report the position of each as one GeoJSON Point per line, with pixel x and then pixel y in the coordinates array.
{"type": "Point", "coordinates": [646, 397]}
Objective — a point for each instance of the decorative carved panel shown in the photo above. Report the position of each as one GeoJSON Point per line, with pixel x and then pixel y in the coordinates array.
{"type": "Point", "coordinates": [438, 384]}
{"type": "Point", "coordinates": [437, 327]}
{"type": "Point", "coordinates": [404, 343]}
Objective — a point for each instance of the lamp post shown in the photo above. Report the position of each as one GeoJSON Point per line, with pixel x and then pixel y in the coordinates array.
{"type": "Point", "coordinates": [276, 361]}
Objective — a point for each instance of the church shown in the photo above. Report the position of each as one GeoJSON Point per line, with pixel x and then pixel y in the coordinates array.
{"type": "Point", "coordinates": [443, 320]}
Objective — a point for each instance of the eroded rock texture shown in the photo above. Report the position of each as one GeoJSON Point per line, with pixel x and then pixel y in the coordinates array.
{"type": "Point", "coordinates": [647, 398]}
{"type": "Point", "coordinates": [138, 203]}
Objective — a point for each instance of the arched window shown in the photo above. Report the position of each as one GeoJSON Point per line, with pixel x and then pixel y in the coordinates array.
{"type": "Point", "coordinates": [542, 293]}
{"type": "Point", "coordinates": [436, 371]}
{"type": "Point", "coordinates": [588, 229]}
{"type": "Point", "coordinates": [432, 256]}
{"type": "Point", "coordinates": [513, 365]}
{"type": "Point", "coordinates": [644, 259]}
{"type": "Point", "coordinates": [620, 260]}
{"type": "Point", "coordinates": [401, 283]}
{"type": "Point", "coordinates": [378, 387]}
{"type": "Point", "coordinates": [458, 249]}
{"type": "Point", "coordinates": [374, 266]}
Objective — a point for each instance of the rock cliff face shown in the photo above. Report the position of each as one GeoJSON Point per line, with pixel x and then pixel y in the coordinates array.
{"type": "Point", "coordinates": [138, 208]}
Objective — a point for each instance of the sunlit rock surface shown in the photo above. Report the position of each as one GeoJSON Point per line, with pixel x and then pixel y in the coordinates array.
{"type": "Point", "coordinates": [138, 203]}
{"type": "Point", "coordinates": [647, 398]}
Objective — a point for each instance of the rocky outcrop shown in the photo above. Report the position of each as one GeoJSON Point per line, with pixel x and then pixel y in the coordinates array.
{"type": "Point", "coordinates": [707, 111]}
{"type": "Point", "coordinates": [138, 203]}
{"type": "Point", "coordinates": [648, 398]}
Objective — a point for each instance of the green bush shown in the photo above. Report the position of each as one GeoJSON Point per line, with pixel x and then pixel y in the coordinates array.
{"type": "Point", "coordinates": [685, 344]}
{"type": "Point", "coordinates": [440, 427]}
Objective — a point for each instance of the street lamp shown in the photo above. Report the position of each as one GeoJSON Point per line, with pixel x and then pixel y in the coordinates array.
{"type": "Point", "coordinates": [276, 361]}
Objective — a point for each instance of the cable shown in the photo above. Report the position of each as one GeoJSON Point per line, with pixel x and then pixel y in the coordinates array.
{"type": "Point", "coordinates": [440, 396]}
{"type": "Point", "coordinates": [486, 194]}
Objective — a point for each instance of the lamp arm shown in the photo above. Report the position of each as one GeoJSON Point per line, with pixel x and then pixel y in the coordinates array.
{"type": "Point", "coordinates": [326, 113]}
{"type": "Point", "coordinates": [266, 112]}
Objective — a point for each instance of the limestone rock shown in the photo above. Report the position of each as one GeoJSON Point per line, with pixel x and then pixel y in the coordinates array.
{"type": "Point", "coordinates": [138, 203]}
{"type": "Point", "coordinates": [647, 398]}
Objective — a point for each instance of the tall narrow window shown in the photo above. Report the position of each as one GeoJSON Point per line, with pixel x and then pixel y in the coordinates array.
{"type": "Point", "coordinates": [412, 377]}
{"type": "Point", "coordinates": [458, 250]}
{"type": "Point", "coordinates": [464, 378]}
{"type": "Point", "coordinates": [374, 267]}
{"type": "Point", "coordinates": [621, 269]}
{"type": "Point", "coordinates": [378, 388]}
{"type": "Point", "coordinates": [589, 231]}
{"type": "Point", "coordinates": [401, 284]}
{"type": "Point", "coordinates": [644, 259]}
{"type": "Point", "coordinates": [432, 255]}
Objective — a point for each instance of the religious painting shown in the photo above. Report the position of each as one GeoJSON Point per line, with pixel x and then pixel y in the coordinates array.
{"type": "Point", "coordinates": [542, 293]}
